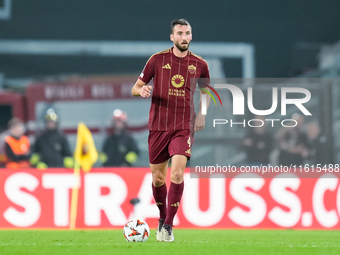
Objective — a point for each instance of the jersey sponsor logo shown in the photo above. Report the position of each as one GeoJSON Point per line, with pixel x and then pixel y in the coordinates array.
{"type": "Point", "coordinates": [177, 80]}
{"type": "Point", "coordinates": [177, 92]}
{"type": "Point", "coordinates": [192, 69]}
{"type": "Point", "coordinates": [141, 75]}
{"type": "Point", "coordinates": [167, 66]}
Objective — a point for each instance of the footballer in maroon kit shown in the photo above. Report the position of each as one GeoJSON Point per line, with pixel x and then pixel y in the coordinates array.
{"type": "Point", "coordinates": [172, 120]}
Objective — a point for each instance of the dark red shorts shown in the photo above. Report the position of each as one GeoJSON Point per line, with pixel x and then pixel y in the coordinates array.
{"type": "Point", "coordinates": [164, 144]}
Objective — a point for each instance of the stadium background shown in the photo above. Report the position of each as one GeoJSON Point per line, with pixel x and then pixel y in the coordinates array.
{"type": "Point", "coordinates": [284, 40]}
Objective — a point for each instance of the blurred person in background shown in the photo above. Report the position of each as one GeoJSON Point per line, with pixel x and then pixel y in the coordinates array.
{"type": "Point", "coordinates": [258, 144]}
{"type": "Point", "coordinates": [120, 149]}
{"type": "Point", "coordinates": [17, 146]}
{"type": "Point", "coordinates": [318, 153]}
{"type": "Point", "coordinates": [51, 148]}
{"type": "Point", "coordinates": [293, 143]}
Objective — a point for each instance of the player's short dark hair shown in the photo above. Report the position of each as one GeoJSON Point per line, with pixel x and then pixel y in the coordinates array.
{"type": "Point", "coordinates": [182, 22]}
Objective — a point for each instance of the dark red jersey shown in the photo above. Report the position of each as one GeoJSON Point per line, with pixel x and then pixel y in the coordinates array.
{"type": "Point", "coordinates": [172, 106]}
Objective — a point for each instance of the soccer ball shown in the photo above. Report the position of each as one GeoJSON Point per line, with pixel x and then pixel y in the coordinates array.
{"type": "Point", "coordinates": [136, 230]}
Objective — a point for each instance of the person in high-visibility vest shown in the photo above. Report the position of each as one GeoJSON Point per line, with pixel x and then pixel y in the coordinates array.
{"type": "Point", "coordinates": [17, 146]}
{"type": "Point", "coordinates": [51, 148]}
{"type": "Point", "coordinates": [120, 149]}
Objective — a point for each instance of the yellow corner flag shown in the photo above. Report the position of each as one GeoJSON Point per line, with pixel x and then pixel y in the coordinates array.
{"type": "Point", "coordinates": [85, 153]}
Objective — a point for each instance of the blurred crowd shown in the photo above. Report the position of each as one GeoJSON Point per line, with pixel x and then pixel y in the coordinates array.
{"type": "Point", "coordinates": [303, 144]}
{"type": "Point", "coordinates": [51, 148]}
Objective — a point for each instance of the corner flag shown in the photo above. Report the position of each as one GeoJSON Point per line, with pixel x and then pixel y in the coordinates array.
{"type": "Point", "coordinates": [85, 153]}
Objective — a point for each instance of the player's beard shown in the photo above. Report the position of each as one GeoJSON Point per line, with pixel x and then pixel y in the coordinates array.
{"type": "Point", "coordinates": [182, 47]}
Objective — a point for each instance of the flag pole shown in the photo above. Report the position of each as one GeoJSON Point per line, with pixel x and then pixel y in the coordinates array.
{"type": "Point", "coordinates": [85, 156]}
{"type": "Point", "coordinates": [74, 196]}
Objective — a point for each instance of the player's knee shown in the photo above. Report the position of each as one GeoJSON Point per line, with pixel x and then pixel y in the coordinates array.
{"type": "Point", "coordinates": [177, 176]}
{"type": "Point", "coordinates": [158, 183]}
{"type": "Point", "coordinates": [158, 180]}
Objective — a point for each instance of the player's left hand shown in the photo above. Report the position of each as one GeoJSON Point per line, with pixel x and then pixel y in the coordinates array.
{"type": "Point", "coordinates": [199, 122]}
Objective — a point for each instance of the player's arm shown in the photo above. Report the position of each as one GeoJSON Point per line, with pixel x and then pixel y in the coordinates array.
{"type": "Point", "coordinates": [200, 118]}
{"type": "Point", "coordinates": [141, 89]}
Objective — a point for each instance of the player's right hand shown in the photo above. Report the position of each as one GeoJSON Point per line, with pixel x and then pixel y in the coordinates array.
{"type": "Point", "coordinates": [145, 91]}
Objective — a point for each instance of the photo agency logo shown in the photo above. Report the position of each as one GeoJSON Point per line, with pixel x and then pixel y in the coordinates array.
{"type": "Point", "coordinates": [238, 105]}
{"type": "Point", "coordinates": [204, 98]}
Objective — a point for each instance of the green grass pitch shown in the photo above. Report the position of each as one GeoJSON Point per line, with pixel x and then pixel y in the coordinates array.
{"type": "Point", "coordinates": [186, 242]}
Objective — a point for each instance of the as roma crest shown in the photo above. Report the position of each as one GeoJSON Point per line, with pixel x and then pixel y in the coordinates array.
{"type": "Point", "coordinates": [192, 69]}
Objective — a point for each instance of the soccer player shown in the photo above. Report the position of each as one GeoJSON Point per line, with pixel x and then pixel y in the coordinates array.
{"type": "Point", "coordinates": [172, 120]}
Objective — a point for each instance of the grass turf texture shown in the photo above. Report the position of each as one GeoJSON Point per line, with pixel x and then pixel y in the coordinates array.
{"type": "Point", "coordinates": [186, 242]}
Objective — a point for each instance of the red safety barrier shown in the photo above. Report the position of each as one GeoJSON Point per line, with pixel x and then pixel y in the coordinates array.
{"type": "Point", "coordinates": [41, 200]}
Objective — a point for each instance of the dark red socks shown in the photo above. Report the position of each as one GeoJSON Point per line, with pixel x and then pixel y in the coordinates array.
{"type": "Point", "coordinates": [174, 198]}
{"type": "Point", "coordinates": [159, 194]}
